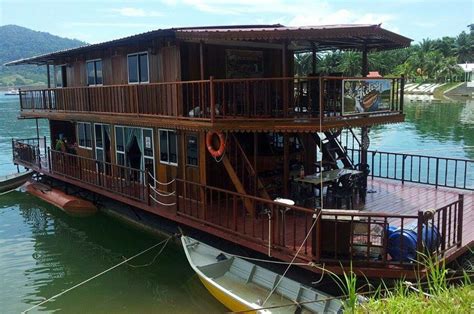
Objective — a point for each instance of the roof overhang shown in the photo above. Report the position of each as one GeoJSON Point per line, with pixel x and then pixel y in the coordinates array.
{"type": "Point", "coordinates": [328, 37]}
{"type": "Point", "coordinates": [299, 39]}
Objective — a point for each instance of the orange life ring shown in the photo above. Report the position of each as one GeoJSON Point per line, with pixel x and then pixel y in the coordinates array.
{"type": "Point", "coordinates": [210, 147]}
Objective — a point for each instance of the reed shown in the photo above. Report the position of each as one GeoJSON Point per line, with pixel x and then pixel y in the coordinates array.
{"type": "Point", "coordinates": [433, 294]}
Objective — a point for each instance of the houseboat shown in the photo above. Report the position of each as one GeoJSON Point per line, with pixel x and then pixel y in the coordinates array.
{"type": "Point", "coordinates": [210, 129]}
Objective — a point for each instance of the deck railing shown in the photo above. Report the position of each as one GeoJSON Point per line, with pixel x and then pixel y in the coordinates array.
{"type": "Point", "coordinates": [438, 171]}
{"type": "Point", "coordinates": [121, 180]}
{"type": "Point", "coordinates": [160, 99]}
{"type": "Point", "coordinates": [338, 236]}
{"type": "Point", "coordinates": [281, 97]}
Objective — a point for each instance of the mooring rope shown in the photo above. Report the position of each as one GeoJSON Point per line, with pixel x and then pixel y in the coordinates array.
{"type": "Point", "coordinates": [154, 258]}
{"type": "Point", "coordinates": [293, 260]}
{"type": "Point", "coordinates": [98, 275]}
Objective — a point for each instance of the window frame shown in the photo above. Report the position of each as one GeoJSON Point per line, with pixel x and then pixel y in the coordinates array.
{"type": "Point", "coordinates": [168, 147]}
{"type": "Point", "coordinates": [95, 72]}
{"type": "Point", "coordinates": [138, 67]}
{"type": "Point", "coordinates": [60, 67]}
{"type": "Point", "coordinates": [90, 134]}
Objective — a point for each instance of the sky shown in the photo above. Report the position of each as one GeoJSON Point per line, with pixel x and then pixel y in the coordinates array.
{"type": "Point", "coordinates": [98, 21]}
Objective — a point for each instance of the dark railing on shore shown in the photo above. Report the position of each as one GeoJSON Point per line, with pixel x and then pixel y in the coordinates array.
{"type": "Point", "coordinates": [281, 97]}
{"type": "Point", "coordinates": [338, 236]}
{"type": "Point", "coordinates": [438, 171]}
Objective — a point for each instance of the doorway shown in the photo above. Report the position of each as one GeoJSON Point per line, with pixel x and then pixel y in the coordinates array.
{"type": "Point", "coordinates": [102, 147]}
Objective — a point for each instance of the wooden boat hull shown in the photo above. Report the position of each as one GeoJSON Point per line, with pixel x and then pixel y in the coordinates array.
{"type": "Point", "coordinates": [68, 203]}
{"type": "Point", "coordinates": [11, 182]}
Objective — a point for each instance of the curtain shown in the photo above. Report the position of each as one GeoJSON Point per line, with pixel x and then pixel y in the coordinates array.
{"type": "Point", "coordinates": [130, 134]}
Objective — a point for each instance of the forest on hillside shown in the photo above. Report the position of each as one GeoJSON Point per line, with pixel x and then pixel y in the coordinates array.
{"type": "Point", "coordinates": [18, 42]}
{"type": "Point", "coordinates": [431, 60]}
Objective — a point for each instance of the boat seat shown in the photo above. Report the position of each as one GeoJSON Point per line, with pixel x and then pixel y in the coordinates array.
{"type": "Point", "coordinates": [217, 269]}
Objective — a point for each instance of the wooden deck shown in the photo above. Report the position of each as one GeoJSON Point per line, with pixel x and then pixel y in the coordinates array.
{"type": "Point", "coordinates": [225, 214]}
{"type": "Point", "coordinates": [396, 198]}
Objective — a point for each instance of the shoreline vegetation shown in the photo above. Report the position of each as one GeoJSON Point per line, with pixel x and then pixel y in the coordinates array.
{"type": "Point", "coordinates": [441, 291]}
{"type": "Point", "coordinates": [429, 61]}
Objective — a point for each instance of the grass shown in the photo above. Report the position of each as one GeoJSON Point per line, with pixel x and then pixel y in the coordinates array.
{"type": "Point", "coordinates": [434, 294]}
{"type": "Point", "coordinates": [404, 300]}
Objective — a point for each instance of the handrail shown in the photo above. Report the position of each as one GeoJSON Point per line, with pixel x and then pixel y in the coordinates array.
{"type": "Point", "coordinates": [213, 99]}
{"type": "Point", "coordinates": [424, 169]}
{"type": "Point", "coordinates": [299, 208]}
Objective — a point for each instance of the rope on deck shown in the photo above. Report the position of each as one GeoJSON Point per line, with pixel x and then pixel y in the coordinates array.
{"type": "Point", "coordinates": [102, 273]}
{"type": "Point", "coordinates": [158, 202]}
{"type": "Point", "coordinates": [161, 183]}
{"type": "Point", "coordinates": [161, 193]}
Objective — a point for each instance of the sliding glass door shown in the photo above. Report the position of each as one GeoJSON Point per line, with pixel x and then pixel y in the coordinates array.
{"type": "Point", "coordinates": [134, 149]}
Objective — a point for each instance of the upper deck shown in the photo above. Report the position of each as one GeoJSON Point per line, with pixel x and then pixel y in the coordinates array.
{"type": "Point", "coordinates": [259, 104]}
{"type": "Point", "coordinates": [238, 78]}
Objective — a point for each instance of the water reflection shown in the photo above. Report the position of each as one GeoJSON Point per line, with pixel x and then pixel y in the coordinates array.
{"type": "Point", "coordinates": [433, 128]}
{"type": "Point", "coordinates": [43, 252]}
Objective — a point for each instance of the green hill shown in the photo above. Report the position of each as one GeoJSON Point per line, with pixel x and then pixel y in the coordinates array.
{"type": "Point", "coordinates": [18, 42]}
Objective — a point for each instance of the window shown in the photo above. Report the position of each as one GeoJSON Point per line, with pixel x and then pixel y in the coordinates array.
{"type": "Point", "coordinates": [168, 147]}
{"type": "Point", "coordinates": [138, 68]}
{"type": "Point", "coordinates": [94, 72]}
{"type": "Point", "coordinates": [192, 150]}
{"type": "Point", "coordinates": [60, 75]}
{"type": "Point", "coordinates": [84, 135]}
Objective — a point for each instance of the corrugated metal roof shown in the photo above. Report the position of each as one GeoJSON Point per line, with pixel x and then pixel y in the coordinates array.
{"type": "Point", "coordinates": [326, 36]}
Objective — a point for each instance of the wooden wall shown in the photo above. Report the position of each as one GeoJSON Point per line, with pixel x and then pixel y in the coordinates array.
{"type": "Point", "coordinates": [215, 61]}
{"type": "Point", "coordinates": [163, 60]}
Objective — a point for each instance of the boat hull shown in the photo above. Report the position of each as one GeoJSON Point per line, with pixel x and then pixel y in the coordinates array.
{"type": "Point", "coordinates": [226, 299]}
{"type": "Point", "coordinates": [70, 204]}
{"type": "Point", "coordinates": [12, 182]}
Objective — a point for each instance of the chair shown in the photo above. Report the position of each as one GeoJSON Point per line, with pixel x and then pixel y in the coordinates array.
{"type": "Point", "coordinates": [361, 180]}
{"type": "Point", "coordinates": [343, 190]}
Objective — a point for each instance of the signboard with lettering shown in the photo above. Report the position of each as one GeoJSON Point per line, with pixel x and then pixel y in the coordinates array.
{"type": "Point", "coordinates": [359, 95]}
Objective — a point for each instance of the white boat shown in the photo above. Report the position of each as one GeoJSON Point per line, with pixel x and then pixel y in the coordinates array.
{"type": "Point", "coordinates": [12, 92]}
{"type": "Point", "coordinates": [243, 286]}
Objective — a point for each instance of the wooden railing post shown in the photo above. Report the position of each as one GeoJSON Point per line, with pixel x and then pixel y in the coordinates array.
{"type": "Point", "coordinates": [402, 91]}
{"type": "Point", "coordinates": [316, 236]}
{"type": "Point", "coordinates": [460, 219]}
{"type": "Point", "coordinates": [212, 99]}
{"type": "Point", "coordinates": [49, 160]}
{"type": "Point", "coordinates": [147, 188]}
{"type": "Point", "coordinates": [403, 167]}
{"type": "Point", "coordinates": [419, 233]}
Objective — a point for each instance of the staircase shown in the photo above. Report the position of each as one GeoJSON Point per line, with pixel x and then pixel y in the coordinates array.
{"type": "Point", "coordinates": [241, 171]}
{"type": "Point", "coordinates": [332, 150]}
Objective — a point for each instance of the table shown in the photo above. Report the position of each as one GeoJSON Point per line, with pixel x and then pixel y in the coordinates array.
{"type": "Point", "coordinates": [326, 176]}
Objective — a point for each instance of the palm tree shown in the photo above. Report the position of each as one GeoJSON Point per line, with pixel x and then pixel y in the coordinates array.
{"type": "Point", "coordinates": [303, 64]}
{"type": "Point", "coordinates": [351, 64]}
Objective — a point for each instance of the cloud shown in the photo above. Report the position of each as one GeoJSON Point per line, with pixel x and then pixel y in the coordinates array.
{"type": "Point", "coordinates": [136, 12]}
{"type": "Point", "coordinates": [111, 24]}
{"type": "Point", "coordinates": [294, 13]}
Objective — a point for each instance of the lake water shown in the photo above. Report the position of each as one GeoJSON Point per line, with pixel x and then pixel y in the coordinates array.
{"type": "Point", "coordinates": [43, 251]}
